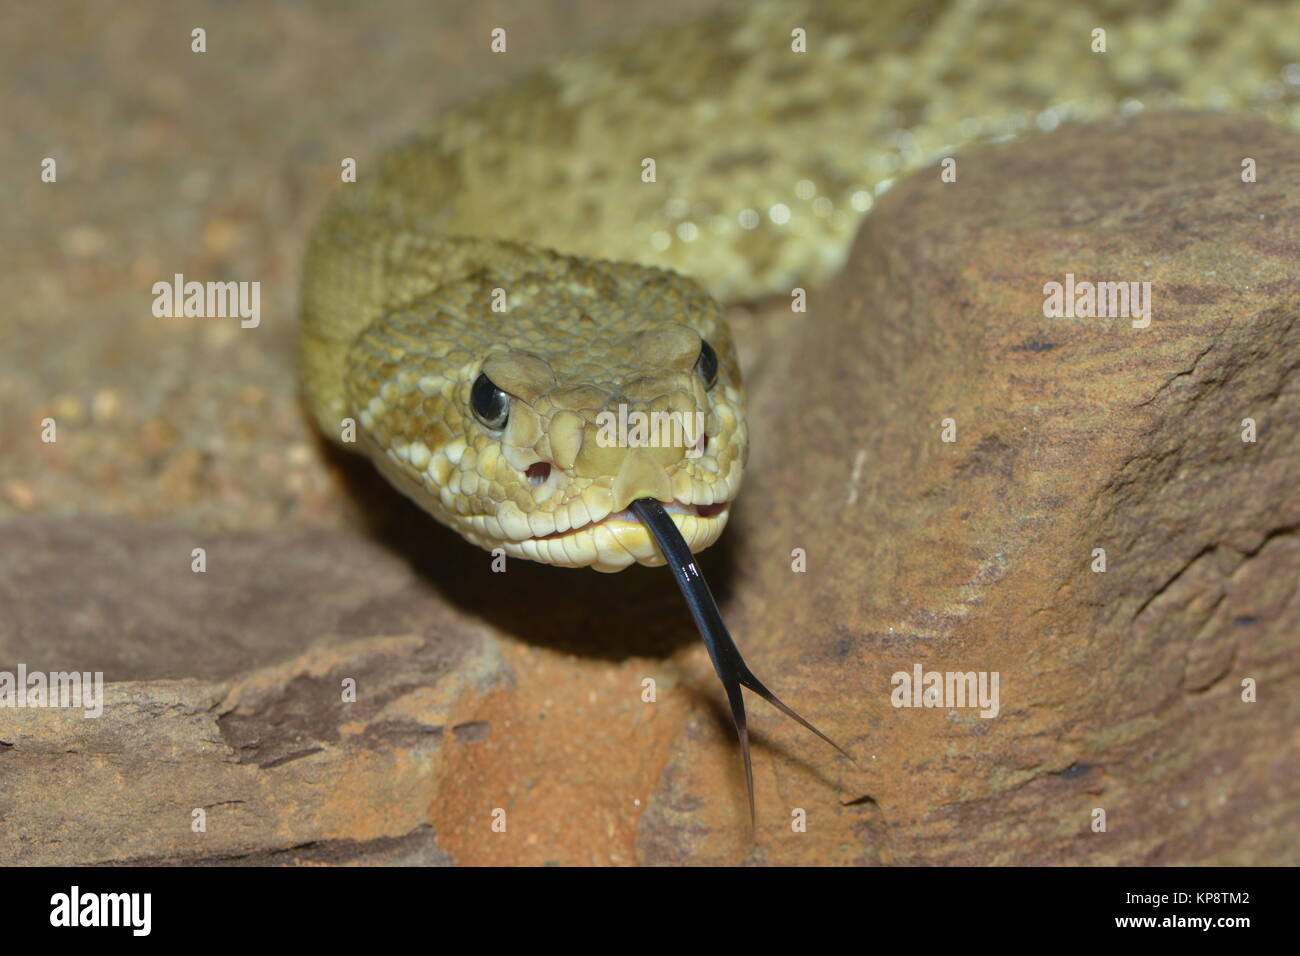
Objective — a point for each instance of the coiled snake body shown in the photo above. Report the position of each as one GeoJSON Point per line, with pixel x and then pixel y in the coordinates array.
{"type": "Point", "coordinates": [559, 249]}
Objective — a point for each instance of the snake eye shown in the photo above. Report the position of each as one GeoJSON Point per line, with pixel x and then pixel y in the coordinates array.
{"type": "Point", "coordinates": [707, 364]}
{"type": "Point", "coordinates": [491, 405]}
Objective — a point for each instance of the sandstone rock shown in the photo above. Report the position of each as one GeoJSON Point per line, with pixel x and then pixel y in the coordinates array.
{"type": "Point", "coordinates": [224, 692]}
{"type": "Point", "coordinates": [1120, 690]}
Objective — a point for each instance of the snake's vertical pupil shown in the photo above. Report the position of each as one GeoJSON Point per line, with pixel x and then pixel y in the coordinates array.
{"type": "Point", "coordinates": [707, 364]}
{"type": "Point", "coordinates": [491, 406]}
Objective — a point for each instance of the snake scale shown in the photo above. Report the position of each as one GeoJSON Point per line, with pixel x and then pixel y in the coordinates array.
{"type": "Point", "coordinates": [562, 248]}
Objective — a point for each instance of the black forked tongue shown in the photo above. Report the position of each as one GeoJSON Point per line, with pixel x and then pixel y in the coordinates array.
{"type": "Point", "coordinates": [727, 662]}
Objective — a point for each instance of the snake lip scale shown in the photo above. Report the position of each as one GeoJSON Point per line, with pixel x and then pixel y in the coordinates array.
{"type": "Point", "coordinates": [718, 509]}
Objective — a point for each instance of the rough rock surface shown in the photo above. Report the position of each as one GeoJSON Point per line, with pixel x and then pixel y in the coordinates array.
{"type": "Point", "coordinates": [225, 691]}
{"type": "Point", "coordinates": [1120, 690]}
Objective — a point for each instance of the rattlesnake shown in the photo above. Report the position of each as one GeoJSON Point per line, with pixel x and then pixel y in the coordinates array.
{"type": "Point", "coordinates": [561, 248]}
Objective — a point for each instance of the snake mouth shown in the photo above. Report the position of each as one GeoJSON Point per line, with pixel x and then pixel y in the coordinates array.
{"type": "Point", "coordinates": [626, 516]}
{"type": "Point", "coordinates": [620, 539]}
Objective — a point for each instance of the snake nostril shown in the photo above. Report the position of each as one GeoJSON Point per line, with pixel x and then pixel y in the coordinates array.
{"type": "Point", "coordinates": [538, 472]}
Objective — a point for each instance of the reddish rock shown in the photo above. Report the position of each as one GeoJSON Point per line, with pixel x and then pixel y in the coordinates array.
{"type": "Point", "coordinates": [1120, 691]}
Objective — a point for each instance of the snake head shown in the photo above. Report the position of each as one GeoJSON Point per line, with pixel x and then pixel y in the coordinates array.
{"type": "Point", "coordinates": [533, 430]}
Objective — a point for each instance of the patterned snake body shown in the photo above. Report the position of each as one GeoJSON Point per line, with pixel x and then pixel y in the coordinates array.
{"type": "Point", "coordinates": [437, 267]}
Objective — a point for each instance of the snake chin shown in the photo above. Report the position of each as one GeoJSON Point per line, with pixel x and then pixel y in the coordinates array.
{"type": "Point", "coordinates": [620, 540]}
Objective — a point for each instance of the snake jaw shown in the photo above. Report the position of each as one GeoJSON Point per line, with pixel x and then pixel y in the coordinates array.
{"type": "Point", "coordinates": [619, 539]}
{"type": "Point", "coordinates": [627, 515]}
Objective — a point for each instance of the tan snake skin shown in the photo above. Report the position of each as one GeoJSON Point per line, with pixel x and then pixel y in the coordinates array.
{"type": "Point", "coordinates": [437, 265]}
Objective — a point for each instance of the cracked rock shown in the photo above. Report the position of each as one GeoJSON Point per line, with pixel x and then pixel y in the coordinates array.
{"type": "Point", "coordinates": [1072, 436]}
{"type": "Point", "coordinates": [293, 695]}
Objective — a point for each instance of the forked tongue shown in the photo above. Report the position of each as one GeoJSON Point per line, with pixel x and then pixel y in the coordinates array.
{"type": "Point", "coordinates": [727, 662]}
